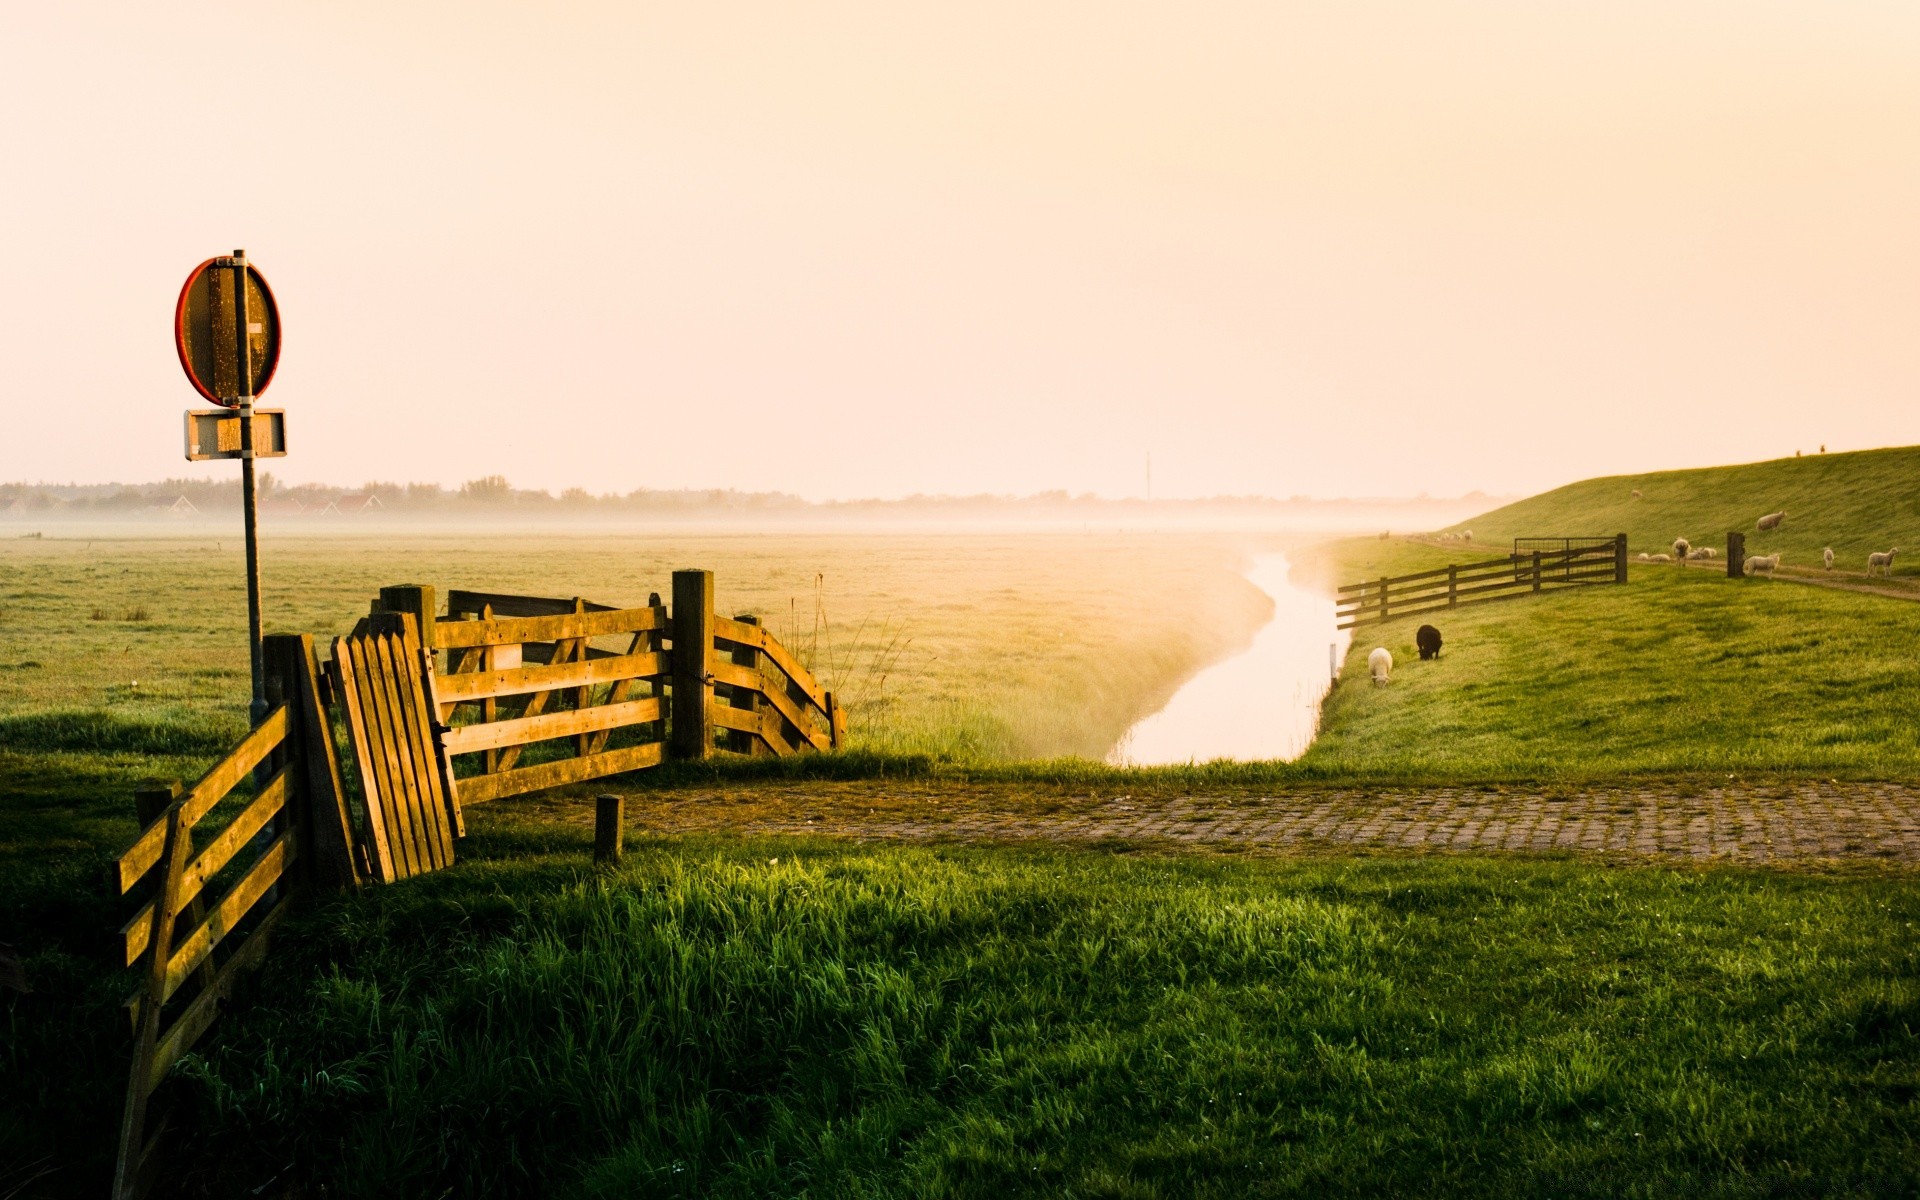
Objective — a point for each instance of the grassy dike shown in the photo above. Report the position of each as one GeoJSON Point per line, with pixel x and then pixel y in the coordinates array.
{"type": "Point", "coordinates": [1682, 670]}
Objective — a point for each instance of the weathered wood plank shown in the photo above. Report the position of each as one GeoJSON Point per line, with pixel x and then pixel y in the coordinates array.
{"type": "Point", "coordinates": [480, 685]}
{"type": "Point", "coordinates": [743, 677]}
{"type": "Point", "coordinates": [139, 858]}
{"type": "Point", "coordinates": [228, 911]}
{"type": "Point", "coordinates": [481, 788]}
{"type": "Point", "coordinates": [468, 738]}
{"type": "Point", "coordinates": [460, 601]}
{"type": "Point", "coordinates": [563, 652]}
{"type": "Point", "coordinates": [409, 847]}
{"type": "Point", "coordinates": [325, 819]}
{"type": "Point", "coordinates": [752, 635]}
{"type": "Point", "coordinates": [416, 727]}
{"type": "Point", "coordinates": [347, 687]}
{"type": "Point", "coordinates": [456, 635]}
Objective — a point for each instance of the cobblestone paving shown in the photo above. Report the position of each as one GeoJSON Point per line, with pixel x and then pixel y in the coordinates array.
{"type": "Point", "coordinates": [1758, 822]}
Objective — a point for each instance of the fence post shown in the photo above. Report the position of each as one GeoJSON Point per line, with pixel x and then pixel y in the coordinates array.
{"type": "Point", "coordinates": [1619, 558]}
{"type": "Point", "coordinates": [692, 730]}
{"type": "Point", "coordinates": [1383, 597]}
{"type": "Point", "coordinates": [1536, 570]}
{"type": "Point", "coordinates": [414, 598]}
{"type": "Point", "coordinates": [1736, 555]}
{"type": "Point", "coordinates": [1453, 586]}
{"type": "Point", "coordinates": [319, 799]}
{"type": "Point", "coordinates": [609, 829]}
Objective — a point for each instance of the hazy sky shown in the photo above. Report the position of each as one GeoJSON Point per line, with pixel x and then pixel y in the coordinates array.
{"type": "Point", "coordinates": [848, 249]}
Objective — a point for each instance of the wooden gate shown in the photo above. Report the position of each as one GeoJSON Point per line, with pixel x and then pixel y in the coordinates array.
{"type": "Point", "coordinates": [210, 911]}
{"type": "Point", "coordinates": [383, 681]}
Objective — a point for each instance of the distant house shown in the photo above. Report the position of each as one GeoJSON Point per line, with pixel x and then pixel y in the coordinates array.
{"type": "Point", "coordinates": [355, 504]}
{"type": "Point", "coordinates": [181, 507]}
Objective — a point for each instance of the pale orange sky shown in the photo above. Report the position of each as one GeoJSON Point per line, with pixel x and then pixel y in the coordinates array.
{"type": "Point", "coordinates": [850, 249]}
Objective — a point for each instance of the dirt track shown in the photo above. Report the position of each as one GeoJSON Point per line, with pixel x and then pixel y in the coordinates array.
{"type": "Point", "coordinates": [1803, 822]}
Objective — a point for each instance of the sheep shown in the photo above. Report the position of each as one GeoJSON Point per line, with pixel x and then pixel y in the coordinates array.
{"type": "Point", "coordinates": [1660, 558]}
{"type": "Point", "coordinates": [1428, 639]}
{"type": "Point", "coordinates": [1826, 556]}
{"type": "Point", "coordinates": [1467, 536]}
{"type": "Point", "coordinates": [1681, 548]}
{"type": "Point", "coordinates": [1772, 521]}
{"type": "Point", "coordinates": [1634, 494]}
{"type": "Point", "coordinates": [1644, 556]}
{"type": "Point", "coordinates": [1379, 664]}
{"type": "Point", "coordinates": [1758, 564]}
{"type": "Point", "coordinates": [1882, 561]}
{"type": "Point", "coordinates": [1703, 552]}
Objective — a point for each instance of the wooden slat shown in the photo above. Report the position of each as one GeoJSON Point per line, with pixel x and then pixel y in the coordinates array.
{"type": "Point", "coordinates": [478, 789]}
{"type": "Point", "coordinates": [139, 858]}
{"type": "Point", "coordinates": [229, 910]}
{"type": "Point", "coordinates": [505, 605]}
{"type": "Point", "coordinates": [416, 728]}
{"type": "Point", "coordinates": [478, 685]}
{"type": "Point", "coordinates": [406, 799]}
{"type": "Point", "coordinates": [346, 683]}
{"type": "Point", "coordinates": [455, 635]}
{"type": "Point", "coordinates": [744, 677]}
{"type": "Point", "coordinates": [730, 630]}
{"type": "Point", "coordinates": [1442, 606]}
{"type": "Point", "coordinates": [562, 652]}
{"type": "Point", "coordinates": [249, 821]}
{"type": "Point", "coordinates": [744, 719]}
{"type": "Point", "coordinates": [430, 681]}
{"type": "Point", "coordinates": [409, 850]}
{"type": "Point", "coordinates": [521, 730]}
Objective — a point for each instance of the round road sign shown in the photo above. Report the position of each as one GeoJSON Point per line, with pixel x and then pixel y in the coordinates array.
{"type": "Point", "coordinates": [205, 334]}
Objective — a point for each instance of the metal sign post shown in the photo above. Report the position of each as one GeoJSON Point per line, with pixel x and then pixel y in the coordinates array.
{"type": "Point", "coordinates": [228, 365]}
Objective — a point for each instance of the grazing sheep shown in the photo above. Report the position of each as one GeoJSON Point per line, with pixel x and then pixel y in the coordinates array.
{"type": "Point", "coordinates": [1681, 549]}
{"type": "Point", "coordinates": [1772, 521]}
{"type": "Point", "coordinates": [1428, 639]}
{"type": "Point", "coordinates": [1465, 537]}
{"type": "Point", "coordinates": [1635, 493]}
{"type": "Point", "coordinates": [1660, 558]}
{"type": "Point", "coordinates": [1883, 561]}
{"type": "Point", "coordinates": [1700, 552]}
{"type": "Point", "coordinates": [1379, 664]}
{"type": "Point", "coordinates": [1644, 556]}
{"type": "Point", "coordinates": [1826, 555]}
{"type": "Point", "coordinates": [1761, 564]}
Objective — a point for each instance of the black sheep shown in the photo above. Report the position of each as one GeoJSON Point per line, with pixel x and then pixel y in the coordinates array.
{"type": "Point", "coordinates": [1428, 639]}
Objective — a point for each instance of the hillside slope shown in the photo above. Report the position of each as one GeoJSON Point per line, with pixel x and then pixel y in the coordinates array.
{"type": "Point", "coordinates": [1858, 502]}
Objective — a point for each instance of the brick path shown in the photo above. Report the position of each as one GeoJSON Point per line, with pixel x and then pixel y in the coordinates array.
{"type": "Point", "coordinates": [1757, 822]}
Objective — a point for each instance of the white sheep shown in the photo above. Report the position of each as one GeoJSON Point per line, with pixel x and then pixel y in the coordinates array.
{"type": "Point", "coordinates": [1699, 552]}
{"type": "Point", "coordinates": [1644, 556]}
{"type": "Point", "coordinates": [1882, 561]}
{"type": "Point", "coordinates": [1826, 556]}
{"type": "Point", "coordinates": [1681, 548]}
{"type": "Point", "coordinates": [1660, 558]}
{"type": "Point", "coordinates": [1465, 537]}
{"type": "Point", "coordinates": [1635, 494]}
{"type": "Point", "coordinates": [1761, 564]}
{"type": "Point", "coordinates": [1772, 520]}
{"type": "Point", "coordinates": [1379, 664]}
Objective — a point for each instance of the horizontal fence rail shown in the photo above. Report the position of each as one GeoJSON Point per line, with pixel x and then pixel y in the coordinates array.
{"type": "Point", "coordinates": [1580, 562]}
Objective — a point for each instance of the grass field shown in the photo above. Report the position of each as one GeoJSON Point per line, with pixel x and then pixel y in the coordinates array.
{"type": "Point", "coordinates": [1681, 670]}
{"type": "Point", "coordinates": [804, 1018]}
{"type": "Point", "coordinates": [965, 646]}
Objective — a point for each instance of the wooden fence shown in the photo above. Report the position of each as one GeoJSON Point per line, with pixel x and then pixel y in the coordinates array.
{"type": "Point", "coordinates": [207, 912]}
{"type": "Point", "coordinates": [1582, 563]}
{"type": "Point", "coordinates": [587, 689]}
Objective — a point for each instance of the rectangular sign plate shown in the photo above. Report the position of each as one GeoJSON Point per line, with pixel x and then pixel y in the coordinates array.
{"type": "Point", "coordinates": [215, 433]}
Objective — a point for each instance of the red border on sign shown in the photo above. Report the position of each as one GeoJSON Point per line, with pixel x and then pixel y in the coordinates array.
{"type": "Point", "coordinates": [180, 334]}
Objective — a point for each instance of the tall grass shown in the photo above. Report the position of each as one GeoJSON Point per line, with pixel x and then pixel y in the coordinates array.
{"type": "Point", "coordinates": [786, 1018]}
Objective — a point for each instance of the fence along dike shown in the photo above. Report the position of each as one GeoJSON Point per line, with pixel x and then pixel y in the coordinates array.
{"type": "Point", "coordinates": [524, 676]}
{"type": "Point", "coordinates": [1524, 573]}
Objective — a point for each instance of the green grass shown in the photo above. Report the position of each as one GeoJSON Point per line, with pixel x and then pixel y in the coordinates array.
{"type": "Point", "coordinates": [1857, 503]}
{"type": "Point", "coordinates": [805, 1018]}
{"type": "Point", "coordinates": [1678, 671]}
{"type": "Point", "coordinates": [957, 646]}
